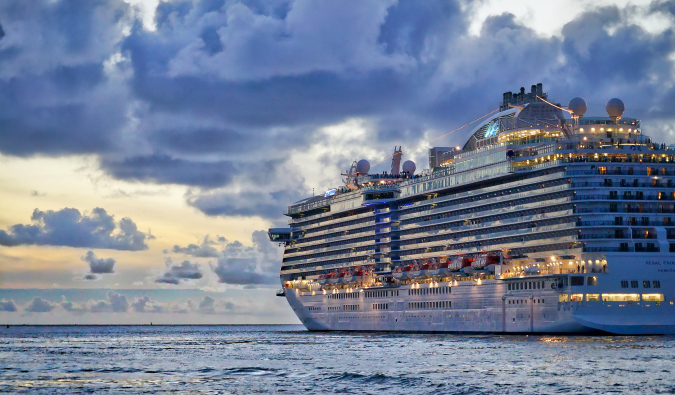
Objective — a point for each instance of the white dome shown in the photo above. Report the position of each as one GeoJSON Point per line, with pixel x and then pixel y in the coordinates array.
{"type": "Point", "coordinates": [363, 166]}
{"type": "Point", "coordinates": [578, 106]}
{"type": "Point", "coordinates": [615, 108]}
{"type": "Point", "coordinates": [409, 167]}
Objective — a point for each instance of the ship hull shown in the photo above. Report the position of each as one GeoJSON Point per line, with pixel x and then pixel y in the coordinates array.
{"type": "Point", "coordinates": [489, 306]}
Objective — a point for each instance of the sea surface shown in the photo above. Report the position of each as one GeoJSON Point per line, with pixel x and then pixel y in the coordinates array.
{"type": "Point", "coordinates": [289, 360]}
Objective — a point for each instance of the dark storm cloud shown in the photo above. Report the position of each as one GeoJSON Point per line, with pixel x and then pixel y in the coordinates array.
{"type": "Point", "coordinates": [68, 227]}
{"type": "Point", "coordinates": [222, 93]}
{"type": "Point", "coordinates": [163, 169]}
{"type": "Point", "coordinates": [56, 97]}
{"type": "Point", "coordinates": [630, 62]}
{"type": "Point", "coordinates": [98, 265]}
{"type": "Point", "coordinates": [268, 205]}
{"type": "Point", "coordinates": [175, 273]}
{"type": "Point", "coordinates": [39, 305]}
{"type": "Point", "coordinates": [7, 305]}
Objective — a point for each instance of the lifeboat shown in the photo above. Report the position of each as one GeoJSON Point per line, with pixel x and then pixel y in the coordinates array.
{"type": "Point", "coordinates": [479, 263]}
{"type": "Point", "coordinates": [341, 277]}
{"type": "Point", "coordinates": [333, 278]}
{"type": "Point", "coordinates": [348, 276]}
{"type": "Point", "coordinates": [434, 268]}
{"type": "Point", "coordinates": [323, 279]}
{"type": "Point", "coordinates": [455, 264]}
{"type": "Point", "coordinates": [358, 275]}
{"type": "Point", "coordinates": [397, 272]}
{"type": "Point", "coordinates": [444, 267]}
{"type": "Point", "coordinates": [415, 270]}
{"type": "Point", "coordinates": [424, 269]}
{"type": "Point", "coordinates": [466, 265]}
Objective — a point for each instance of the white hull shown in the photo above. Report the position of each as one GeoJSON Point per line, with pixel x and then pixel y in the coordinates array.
{"type": "Point", "coordinates": [491, 307]}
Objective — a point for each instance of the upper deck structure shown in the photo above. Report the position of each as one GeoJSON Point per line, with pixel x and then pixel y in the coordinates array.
{"type": "Point", "coordinates": [538, 191]}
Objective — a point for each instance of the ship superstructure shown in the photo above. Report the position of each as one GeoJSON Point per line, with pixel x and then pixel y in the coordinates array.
{"type": "Point", "coordinates": [543, 221]}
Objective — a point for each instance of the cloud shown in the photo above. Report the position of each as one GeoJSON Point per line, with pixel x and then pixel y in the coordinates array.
{"type": "Point", "coordinates": [39, 305]}
{"type": "Point", "coordinates": [146, 305]}
{"type": "Point", "coordinates": [7, 305]}
{"type": "Point", "coordinates": [221, 95]}
{"type": "Point", "coordinates": [73, 307]}
{"type": "Point", "coordinates": [176, 273]}
{"type": "Point", "coordinates": [116, 303]}
{"type": "Point", "coordinates": [254, 265]}
{"type": "Point", "coordinates": [207, 305]}
{"type": "Point", "coordinates": [98, 265]}
{"type": "Point", "coordinates": [205, 250]}
{"type": "Point", "coordinates": [59, 96]}
{"type": "Point", "coordinates": [68, 227]}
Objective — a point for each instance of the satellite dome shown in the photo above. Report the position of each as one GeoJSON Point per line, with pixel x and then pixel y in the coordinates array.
{"type": "Point", "coordinates": [578, 107]}
{"type": "Point", "coordinates": [363, 166]}
{"type": "Point", "coordinates": [409, 167]}
{"type": "Point", "coordinates": [615, 108]}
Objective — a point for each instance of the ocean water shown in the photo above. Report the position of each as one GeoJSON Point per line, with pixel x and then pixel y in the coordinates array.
{"type": "Point", "coordinates": [289, 360]}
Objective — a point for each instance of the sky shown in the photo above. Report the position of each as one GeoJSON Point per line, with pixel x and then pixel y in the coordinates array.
{"type": "Point", "coordinates": [146, 146]}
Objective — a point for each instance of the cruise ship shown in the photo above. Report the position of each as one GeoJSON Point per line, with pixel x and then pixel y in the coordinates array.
{"type": "Point", "coordinates": [544, 221]}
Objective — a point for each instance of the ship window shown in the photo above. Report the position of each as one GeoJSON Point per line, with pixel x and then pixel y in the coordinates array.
{"type": "Point", "coordinates": [633, 284]}
{"type": "Point", "coordinates": [576, 281]}
{"type": "Point", "coordinates": [620, 297]}
{"type": "Point", "coordinates": [563, 298]}
{"type": "Point", "coordinates": [591, 280]}
{"type": "Point", "coordinates": [652, 297]}
{"type": "Point", "coordinates": [577, 297]}
{"type": "Point", "coordinates": [509, 287]}
{"type": "Point", "coordinates": [646, 284]}
{"type": "Point", "coordinates": [592, 297]}
{"type": "Point", "coordinates": [624, 284]}
{"type": "Point", "coordinates": [657, 284]}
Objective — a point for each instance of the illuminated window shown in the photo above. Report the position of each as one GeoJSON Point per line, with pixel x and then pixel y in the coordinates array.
{"type": "Point", "coordinates": [592, 297]}
{"type": "Point", "coordinates": [563, 298]}
{"type": "Point", "coordinates": [620, 297]}
{"type": "Point", "coordinates": [652, 297]}
{"type": "Point", "coordinates": [577, 297]}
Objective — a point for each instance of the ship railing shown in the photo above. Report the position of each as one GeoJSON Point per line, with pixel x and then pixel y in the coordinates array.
{"type": "Point", "coordinates": [623, 197]}
{"type": "Point", "coordinates": [636, 236]}
{"type": "Point", "coordinates": [586, 184]}
{"type": "Point", "coordinates": [543, 271]}
{"type": "Point", "coordinates": [595, 210]}
{"type": "Point", "coordinates": [608, 249]}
